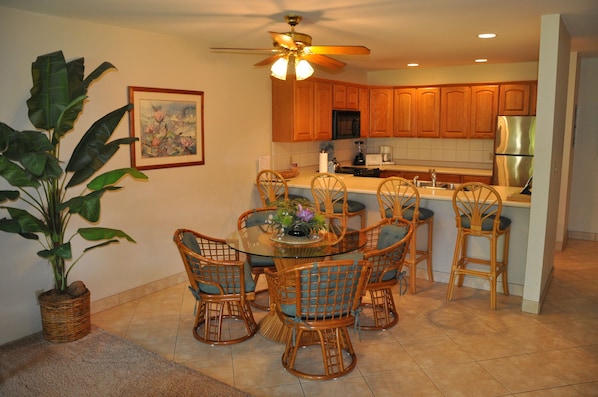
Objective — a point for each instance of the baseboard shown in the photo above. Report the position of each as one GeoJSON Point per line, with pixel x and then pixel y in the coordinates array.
{"type": "Point", "coordinates": [589, 236]}
{"type": "Point", "coordinates": [137, 292]}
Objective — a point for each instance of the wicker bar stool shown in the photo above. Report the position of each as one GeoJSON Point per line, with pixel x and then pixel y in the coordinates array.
{"type": "Point", "coordinates": [330, 197]}
{"type": "Point", "coordinates": [478, 210]}
{"type": "Point", "coordinates": [272, 187]}
{"type": "Point", "coordinates": [399, 198]}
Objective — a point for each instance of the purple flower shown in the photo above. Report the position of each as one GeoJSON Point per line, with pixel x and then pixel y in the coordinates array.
{"type": "Point", "coordinates": [304, 214]}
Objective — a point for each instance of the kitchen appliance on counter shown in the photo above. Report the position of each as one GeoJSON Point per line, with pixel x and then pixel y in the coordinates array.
{"type": "Point", "coordinates": [360, 171]}
{"type": "Point", "coordinates": [386, 152]}
{"type": "Point", "coordinates": [514, 150]}
{"type": "Point", "coordinates": [359, 153]}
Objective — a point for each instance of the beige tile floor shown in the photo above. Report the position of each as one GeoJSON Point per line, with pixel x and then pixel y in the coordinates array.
{"type": "Point", "coordinates": [438, 348]}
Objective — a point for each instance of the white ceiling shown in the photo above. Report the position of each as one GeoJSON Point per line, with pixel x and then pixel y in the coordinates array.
{"type": "Point", "coordinates": [432, 33]}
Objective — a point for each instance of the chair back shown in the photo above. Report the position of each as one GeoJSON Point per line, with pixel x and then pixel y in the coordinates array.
{"type": "Point", "coordinates": [271, 186]}
{"type": "Point", "coordinates": [213, 268]}
{"type": "Point", "coordinates": [254, 217]}
{"type": "Point", "coordinates": [398, 198]}
{"type": "Point", "coordinates": [386, 248]}
{"type": "Point", "coordinates": [320, 291]}
{"type": "Point", "coordinates": [330, 199]}
{"type": "Point", "coordinates": [477, 208]}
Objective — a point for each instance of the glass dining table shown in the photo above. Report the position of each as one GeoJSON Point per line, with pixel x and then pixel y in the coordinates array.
{"type": "Point", "coordinates": [289, 251]}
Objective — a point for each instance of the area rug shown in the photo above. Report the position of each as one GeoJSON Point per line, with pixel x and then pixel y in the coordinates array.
{"type": "Point", "coordinates": [100, 364]}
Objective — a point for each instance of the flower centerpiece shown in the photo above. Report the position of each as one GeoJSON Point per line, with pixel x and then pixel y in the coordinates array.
{"type": "Point", "coordinates": [296, 218]}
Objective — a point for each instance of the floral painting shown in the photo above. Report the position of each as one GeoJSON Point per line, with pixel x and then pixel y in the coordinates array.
{"type": "Point", "coordinates": [169, 126]}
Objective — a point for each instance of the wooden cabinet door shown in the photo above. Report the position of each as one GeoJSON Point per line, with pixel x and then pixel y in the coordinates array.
{"type": "Point", "coordinates": [390, 173]}
{"type": "Point", "coordinates": [323, 110]}
{"type": "Point", "coordinates": [454, 111]}
{"type": "Point", "coordinates": [514, 99]}
{"type": "Point", "coordinates": [533, 98]}
{"type": "Point", "coordinates": [304, 111]}
{"type": "Point", "coordinates": [352, 97]}
{"type": "Point", "coordinates": [428, 112]}
{"type": "Point", "coordinates": [404, 112]}
{"type": "Point", "coordinates": [484, 107]}
{"type": "Point", "coordinates": [340, 96]}
{"type": "Point", "coordinates": [381, 112]}
{"type": "Point", "coordinates": [474, 178]}
{"type": "Point", "coordinates": [364, 110]}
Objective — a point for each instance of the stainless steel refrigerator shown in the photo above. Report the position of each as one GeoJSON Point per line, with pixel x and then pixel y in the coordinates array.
{"type": "Point", "coordinates": [514, 150]}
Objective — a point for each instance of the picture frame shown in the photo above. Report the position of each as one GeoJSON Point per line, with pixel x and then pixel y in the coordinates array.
{"type": "Point", "coordinates": [169, 125]}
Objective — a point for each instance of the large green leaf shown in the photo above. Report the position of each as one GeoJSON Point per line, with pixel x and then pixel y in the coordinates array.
{"type": "Point", "coordinates": [111, 177]}
{"type": "Point", "coordinates": [87, 206]}
{"type": "Point", "coordinates": [50, 91]}
{"type": "Point", "coordinates": [102, 233]}
{"type": "Point", "coordinates": [62, 251]}
{"type": "Point", "coordinates": [66, 120]}
{"type": "Point", "coordinates": [94, 139]}
{"type": "Point", "coordinates": [75, 70]}
{"type": "Point", "coordinates": [97, 72]}
{"type": "Point", "coordinates": [15, 175]}
{"type": "Point", "coordinates": [27, 222]}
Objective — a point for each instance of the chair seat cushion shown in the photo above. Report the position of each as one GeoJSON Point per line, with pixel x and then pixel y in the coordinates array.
{"type": "Point", "coordinates": [488, 223]}
{"type": "Point", "coordinates": [261, 261]}
{"type": "Point", "coordinates": [391, 234]}
{"type": "Point", "coordinates": [352, 206]}
{"type": "Point", "coordinates": [424, 213]}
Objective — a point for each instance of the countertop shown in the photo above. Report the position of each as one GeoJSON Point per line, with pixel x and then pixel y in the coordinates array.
{"type": "Point", "coordinates": [367, 185]}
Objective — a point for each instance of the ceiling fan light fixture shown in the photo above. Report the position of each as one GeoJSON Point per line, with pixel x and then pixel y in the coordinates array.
{"type": "Point", "coordinates": [279, 68]}
{"type": "Point", "coordinates": [303, 69]}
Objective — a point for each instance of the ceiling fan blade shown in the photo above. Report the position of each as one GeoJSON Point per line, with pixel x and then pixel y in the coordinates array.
{"type": "Point", "coordinates": [324, 61]}
{"type": "Point", "coordinates": [268, 60]}
{"type": "Point", "coordinates": [338, 49]}
{"type": "Point", "coordinates": [232, 49]}
{"type": "Point", "coordinates": [284, 40]}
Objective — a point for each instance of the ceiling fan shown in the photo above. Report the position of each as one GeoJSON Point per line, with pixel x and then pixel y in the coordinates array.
{"type": "Point", "coordinates": [297, 46]}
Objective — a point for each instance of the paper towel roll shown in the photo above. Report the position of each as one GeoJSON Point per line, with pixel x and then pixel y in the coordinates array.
{"type": "Point", "coordinates": [323, 162]}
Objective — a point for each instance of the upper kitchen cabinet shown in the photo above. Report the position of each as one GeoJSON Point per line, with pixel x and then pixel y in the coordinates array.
{"type": "Point", "coordinates": [404, 112]}
{"type": "Point", "coordinates": [345, 96]}
{"type": "Point", "coordinates": [484, 107]}
{"type": "Point", "coordinates": [455, 104]}
{"type": "Point", "coordinates": [516, 99]}
{"type": "Point", "coordinates": [323, 110]}
{"type": "Point", "coordinates": [381, 121]}
{"type": "Point", "coordinates": [364, 110]}
{"type": "Point", "coordinates": [428, 112]}
{"type": "Point", "coordinates": [293, 110]}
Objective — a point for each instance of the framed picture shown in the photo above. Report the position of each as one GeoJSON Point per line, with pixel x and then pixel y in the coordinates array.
{"type": "Point", "coordinates": [169, 125]}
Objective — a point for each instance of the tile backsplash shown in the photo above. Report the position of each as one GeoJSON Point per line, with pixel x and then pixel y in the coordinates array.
{"type": "Point", "coordinates": [465, 153]}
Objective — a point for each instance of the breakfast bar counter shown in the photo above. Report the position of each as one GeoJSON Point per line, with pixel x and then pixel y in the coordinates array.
{"type": "Point", "coordinates": [363, 189]}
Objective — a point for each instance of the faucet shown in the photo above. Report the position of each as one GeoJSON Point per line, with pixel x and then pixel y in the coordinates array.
{"type": "Point", "coordinates": [433, 176]}
{"type": "Point", "coordinates": [415, 178]}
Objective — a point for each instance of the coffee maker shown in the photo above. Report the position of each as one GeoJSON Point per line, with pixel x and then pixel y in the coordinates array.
{"type": "Point", "coordinates": [386, 152]}
{"type": "Point", "coordinates": [359, 153]}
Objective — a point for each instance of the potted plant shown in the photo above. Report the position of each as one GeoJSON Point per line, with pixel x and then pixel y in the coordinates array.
{"type": "Point", "coordinates": [31, 162]}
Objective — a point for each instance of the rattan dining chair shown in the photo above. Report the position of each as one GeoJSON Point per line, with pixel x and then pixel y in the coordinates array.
{"type": "Point", "coordinates": [222, 286]}
{"type": "Point", "coordinates": [272, 187]}
{"type": "Point", "coordinates": [317, 302]}
{"type": "Point", "coordinates": [386, 247]}
{"type": "Point", "coordinates": [478, 209]}
{"type": "Point", "coordinates": [257, 263]}
{"type": "Point", "coordinates": [330, 198]}
{"type": "Point", "coordinates": [398, 197]}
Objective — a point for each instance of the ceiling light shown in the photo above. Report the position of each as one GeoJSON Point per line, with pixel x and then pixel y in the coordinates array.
{"type": "Point", "coordinates": [303, 69]}
{"type": "Point", "coordinates": [487, 35]}
{"type": "Point", "coordinates": [481, 60]}
{"type": "Point", "coordinates": [279, 68]}
{"type": "Point", "coordinates": [413, 64]}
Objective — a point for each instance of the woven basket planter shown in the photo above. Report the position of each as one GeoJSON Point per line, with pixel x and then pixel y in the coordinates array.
{"type": "Point", "coordinates": [65, 319]}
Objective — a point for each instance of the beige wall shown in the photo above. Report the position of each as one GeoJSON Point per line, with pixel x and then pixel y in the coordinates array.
{"type": "Point", "coordinates": [206, 198]}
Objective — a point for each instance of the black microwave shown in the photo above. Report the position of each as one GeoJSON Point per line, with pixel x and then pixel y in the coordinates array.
{"type": "Point", "coordinates": [345, 124]}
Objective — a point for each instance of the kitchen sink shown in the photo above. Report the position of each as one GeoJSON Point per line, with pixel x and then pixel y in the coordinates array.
{"type": "Point", "coordinates": [438, 186]}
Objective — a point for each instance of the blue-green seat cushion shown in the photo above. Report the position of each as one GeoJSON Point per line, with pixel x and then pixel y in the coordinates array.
{"type": "Point", "coordinates": [352, 206]}
{"type": "Point", "coordinates": [290, 196]}
{"type": "Point", "coordinates": [488, 223]}
{"type": "Point", "coordinates": [424, 213]}
{"type": "Point", "coordinates": [389, 235]}
{"type": "Point", "coordinates": [259, 218]}
{"type": "Point", "coordinates": [332, 296]}
{"type": "Point", "coordinates": [190, 242]}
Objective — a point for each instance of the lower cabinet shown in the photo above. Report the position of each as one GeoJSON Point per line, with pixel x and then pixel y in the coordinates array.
{"type": "Point", "coordinates": [425, 176]}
